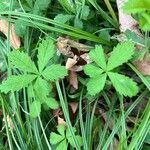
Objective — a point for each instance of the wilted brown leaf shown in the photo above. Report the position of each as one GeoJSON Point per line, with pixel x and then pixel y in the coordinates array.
{"type": "Point", "coordinates": [14, 39]}
{"type": "Point", "coordinates": [71, 62]}
{"type": "Point", "coordinates": [74, 106]}
{"type": "Point", "coordinates": [61, 121]}
{"type": "Point", "coordinates": [128, 22]}
{"type": "Point", "coordinates": [73, 80]}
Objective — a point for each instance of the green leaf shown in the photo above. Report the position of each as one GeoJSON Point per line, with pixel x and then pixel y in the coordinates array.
{"type": "Point", "coordinates": [98, 56]}
{"type": "Point", "coordinates": [136, 6]}
{"type": "Point", "coordinates": [46, 51]}
{"type": "Point", "coordinates": [71, 140]}
{"type": "Point", "coordinates": [35, 109]}
{"type": "Point", "coordinates": [20, 27]}
{"type": "Point", "coordinates": [63, 18]}
{"type": "Point", "coordinates": [95, 85]}
{"type": "Point", "coordinates": [61, 129]}
{"type": "Point", "coordinates": [42, 87]}
{"type": "Point", "coordinates": [55, 138]}
{"type": "Point", "coordinates": [145, 22]}
{"type": "Point", "coordinates": [92, 71]}
{"type": "Point", "coordinates": [131, 35]}
{"type": "Point", "coordinates": [62, 145]}
{"type": "Point", "coordinates": [22, 61]}
{"type": "Point", "coordinates": [54, 72]}
{"type": "Point", "coordinates": [15, 83]}
{"type": "Point", "coordinates": [121, 54]}
{"type": "Point", "coordinates": [85, 12]}
{"type": "Point", "coordinates": [40, 6]}
{"type": "Point", "coordinates": [51, 103]}
{"type": "Point", "coordinates": [6, 4]}
{"type": "Point", "coordinates": [123, 84]}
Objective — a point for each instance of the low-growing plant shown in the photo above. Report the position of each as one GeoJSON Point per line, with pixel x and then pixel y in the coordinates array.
{"type": "Point", "coordinates": [101, 68]}
{"type": "Point", "coordinates": [39, 79]}
{"type": "Point", "coordinates": [63, 138]}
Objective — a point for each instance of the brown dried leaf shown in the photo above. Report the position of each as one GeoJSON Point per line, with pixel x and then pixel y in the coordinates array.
{"type": "Point", "coordinates": [74, 106]}
{"type": "Point", "coordinates": [73, 80]}
{"type": "Point", "coordinates": [86, 57]}
{"type": "Point", "coordinates": [71, 62]}
{"type": "Point", "coordinates": [128, 22]}
{"type": "Point", "coordinates": [61, 121]}
{"type": "Point", "coordinates": [14, 39]}
{"type": "Point", "coordinates": [63, 47]}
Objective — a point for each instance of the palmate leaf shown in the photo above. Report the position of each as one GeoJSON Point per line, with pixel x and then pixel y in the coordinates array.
{"type": "Point", "coordinates": [45, 53]}
{"type": "Point", "coordinates": [98, 56]}
{"type": "Point", "coordinates": [145, 21]}
{"type": "Point", "coordinates": [35, 109]}
{"type": "Point", "coordinates": [56, 138]}
{"type": "Point", "coordinates": [95, 85]}
{"type": "Point", "coordinates": [92, 71]}
{"type": "Point", "coordinates": [42, 89]}
{"type": "Point", "coordinates": [51, 103]}
{"type": "Point", "coordinates": [22, 61]}
{"type": "Point", "coordinates": [123, 84]}
{"type": "Point", "coordinates": [121, 54]}
{"type": "Point", "coordinates": [15, 83]}
{"type": "Point", "coordinates": [63, 145]}
{"type": "Point", "coordinates": [71, 140]}
{"type": "Point", "coordinates": [136, 6]}
{"type": "Point", "coordinates": [54, 72]}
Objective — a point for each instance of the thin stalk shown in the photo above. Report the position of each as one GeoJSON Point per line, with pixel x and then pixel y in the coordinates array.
{"type": "Point", "coordinates": [111, 10]}
{"type": "Point", "coordinates": [82, 123]}
{"type": "Point", "coordinates": [6, 123]}
{"type": "Point", "coordinates": [66, 114]}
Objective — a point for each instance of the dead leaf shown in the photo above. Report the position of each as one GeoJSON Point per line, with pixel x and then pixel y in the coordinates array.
{"type": "Point", "coordinates": [86, 57]}
{"type": "Point", "coordinates": [63, 47]}
{"type": "Point", "coordinates": [14, 39]}
{"type": "Point", "coordinates": [61, 121]}
{"type": "Point", "coordinates": [74, 106]}
{"type": "Point", "coordinates": [71, 62]}
{"type": "Point", "coordinates": [73, 79]}
{"type": "Point", "coordinates": [76, 68]}
{"type": "Point", "coordinates": [128, 22]}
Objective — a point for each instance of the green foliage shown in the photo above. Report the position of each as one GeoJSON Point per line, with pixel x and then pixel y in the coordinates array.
{"type": "Point", "coordinates": [120, 54]}
{"type": "Point", "coordinates": [15, 83]}
{"type": "Point", "coordinates": [142, 8]}
{"type": "Point", "coordinates": [137, 6]}
{"type": "Point", "coordinates": [22, 61]}
{"type": "Point", "coordinates": [42, 88]}
{"type": "Point", "coordinates": [35, 109]}
{"type": "Point", "coordinates": [63, 138]}
{"type": "Point", "coordinates": [123, 84]}
{"type": "Point", "coordinates": [54, 72]}
{"type": "Point", "coordinates": [46, 51]}
{"type": "Point", "coordinates": [63, 18]}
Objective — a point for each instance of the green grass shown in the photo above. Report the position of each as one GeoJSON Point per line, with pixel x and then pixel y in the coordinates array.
{"type": "Point", "coordinates": [104, 121]}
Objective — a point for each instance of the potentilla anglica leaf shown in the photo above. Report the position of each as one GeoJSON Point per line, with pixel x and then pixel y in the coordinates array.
{"type": "Point", "coordinates": [136, 6]}
{"type": "Point", "coordinates": [98, 56]}
{"type": "Point", "coordinates": [22, 61]}
{"type": "Point", "coordinates": [35, 109]}
{"type": "Point", "coordinates": [92, 70]}
{"type": "Point", "coordinates": [95, 85]}
{"type": "Point", "coordinates": [120, 54]}
{"type": "Point", "coordinates": [123, 84]}
{"type": "Point", "coordinates": [46, 51]}
{"type": "Point", "coordinates": [54, 72]}
{"type": "Point", "coordinates": [16, 83]}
